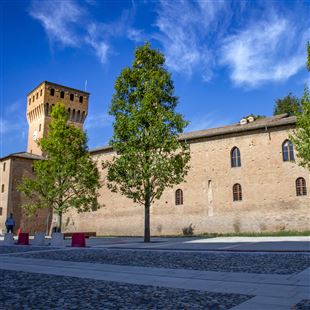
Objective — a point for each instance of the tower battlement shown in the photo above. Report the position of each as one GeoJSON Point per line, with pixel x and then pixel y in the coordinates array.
{"type": "Point", "coordinates": [40, 102]}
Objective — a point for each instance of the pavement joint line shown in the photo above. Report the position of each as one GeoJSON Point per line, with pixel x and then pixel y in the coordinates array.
{"type": "Point", "coordinates": [159, 280]}
{"type": "Point", "coordinates": [201, 250]}
{"type": "Point", "coordinates": [230, 277]}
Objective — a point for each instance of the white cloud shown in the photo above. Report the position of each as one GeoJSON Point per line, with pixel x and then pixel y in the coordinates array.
{"type": "Point", "coordinates": [98, 120]}
{"type": "Point", "coordinates": [209, 120]}
{"type": "Point", "coordinates": [59, 19]}
{"type": "Point", "coordinates": [69, 24]}
{"type": "Point", "coordinates": [7, 126]}
{"type": "Point", "coordinates": [184, 27]}
{"type": "Point", "coordinates": [270, 50]}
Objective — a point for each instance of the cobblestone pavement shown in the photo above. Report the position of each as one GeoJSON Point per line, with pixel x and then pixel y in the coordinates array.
{"type": "Point", "coordinates": [23, 290]}
{"type": "Point", "coordinates": [302, 305]}
{"type": "Point", "coordinates": [7, 249]}
{"type": "Point", "coordinates": [224, 262]}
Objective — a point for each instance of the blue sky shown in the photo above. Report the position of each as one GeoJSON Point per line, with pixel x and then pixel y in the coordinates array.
{"type": "Point", "coordinates": [227, 58]}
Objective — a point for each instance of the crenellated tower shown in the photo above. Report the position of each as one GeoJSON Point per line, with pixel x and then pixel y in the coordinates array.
{"type": "Point", "coordinates": [40, 102]}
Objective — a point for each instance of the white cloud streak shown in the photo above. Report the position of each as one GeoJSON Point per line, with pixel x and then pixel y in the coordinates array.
{"type": "Point", "coordinates": [184, 27]}
{"type": "Point", "coordinates": [59, 20]}
{"type": "Point", "coordinates": [69, 24]}
{"type": "Point", "coordinates": [269, 50]}
{"type": "Point", "coordinates": [98, 120]}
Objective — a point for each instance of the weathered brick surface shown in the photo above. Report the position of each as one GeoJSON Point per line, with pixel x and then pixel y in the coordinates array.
{"type": "Point", "coordinates": [268, 187]}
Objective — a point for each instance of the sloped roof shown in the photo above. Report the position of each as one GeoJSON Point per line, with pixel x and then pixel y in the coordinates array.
{"type": "Point", "coordinates": [25, 155]}
{"type": "Point", "coordinates": [263, 123]}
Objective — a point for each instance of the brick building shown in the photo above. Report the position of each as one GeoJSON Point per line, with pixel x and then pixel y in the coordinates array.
{"type": "Point", "coordinates": [243, 177]}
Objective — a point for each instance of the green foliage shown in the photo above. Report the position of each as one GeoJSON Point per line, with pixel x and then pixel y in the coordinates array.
{"type": "Point", "coordinates": [289, 104]}
{"type": "Point", "coordinates": [67, 177]}
{"type": "Point", "coordinates": [256, 116]}
{"type": "Point", "coordinates": [301, 137]}
{"type": "Point", "coordinates": [146, 130]}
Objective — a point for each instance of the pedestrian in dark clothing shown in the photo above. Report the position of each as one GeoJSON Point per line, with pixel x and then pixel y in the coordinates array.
{"type": "Point", "coordinates": [10, 223]}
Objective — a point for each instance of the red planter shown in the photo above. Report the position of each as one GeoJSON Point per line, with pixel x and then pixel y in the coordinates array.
{"type": "Point", "coordinates": [78, 240]}
{"type": "Point", "coordinates": [23, 239]}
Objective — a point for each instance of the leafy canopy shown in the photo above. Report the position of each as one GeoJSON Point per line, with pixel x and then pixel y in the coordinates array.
{"type": "Point", "coordinates": [146, 129]}
{"type": "Point", "coordinates": [289, 104]}
{"type": "Point", "coordinates": [67, 177]}
{"type": "Point", "coordinates": [301, 137]}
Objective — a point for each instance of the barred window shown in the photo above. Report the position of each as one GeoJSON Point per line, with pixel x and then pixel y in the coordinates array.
{"type": "Point", "coordinates": [235, 157]}
{"type": "Point", "coordinates": [237, 192]}
{"type": "Point", "coordinates": [301, 189]}
{"type": "Point", "coordinates": [288, 151]}
{"type": "Point", "coordinates": [178, 197]}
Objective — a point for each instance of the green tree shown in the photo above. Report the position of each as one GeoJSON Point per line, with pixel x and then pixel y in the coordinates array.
{"type": "Point", "coordinates": [289, 104]}
{"type": "Point", "coordinates": [67, 177]}
{"type": "Point", "coordinates": [146, 130]}
{"type": "Point", "coordinates": [301, 136]}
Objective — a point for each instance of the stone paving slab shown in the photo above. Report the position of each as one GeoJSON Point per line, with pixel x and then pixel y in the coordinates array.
{"type": "Point", "coordinates": [23, 290]}
{"type": "Point", "coordinates": [223, 262]}
{"type": "Point", "coordinates": [186, 279]}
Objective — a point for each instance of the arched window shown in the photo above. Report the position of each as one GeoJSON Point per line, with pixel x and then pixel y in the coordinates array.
{"type": "Point", "coordinates": [237, 192]}
{"type": "Point", "coordinates": [73, 115]}
{"type": "Point", "coordinates": [301, 189]}
{"type": "Point", "coordinates": [52, 91]}
{"type": "Point", "coordinates": [235, 157]}
{"type": "Point", "coordinates": [178, 197]}
{"type": "Point", "coordinates": [288, 151]}
{"type": "Point", "coordinates": [71, 97]}
{"type": "Point", "coordinates": [81, 99]}
{"type": "Point", "coordinates": [62, 94]}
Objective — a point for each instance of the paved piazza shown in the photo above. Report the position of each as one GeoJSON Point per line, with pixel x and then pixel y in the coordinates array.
{"type": "Point", "coordinates": [124, 273]}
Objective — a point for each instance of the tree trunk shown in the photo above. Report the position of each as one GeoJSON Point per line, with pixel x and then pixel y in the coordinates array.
{"type": "Point", "coordinates": [147, 235]}
{"type": "Point", "coordinates": [60, 222]}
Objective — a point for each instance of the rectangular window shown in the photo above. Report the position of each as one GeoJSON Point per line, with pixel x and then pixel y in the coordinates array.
{"type": "Point", "coordinates": [81, 99]}
{"type": "Point", "coordinates": [41, 92]}
{"type": "Point", "coordinates": [4, 166]}
{"type": "Point", "coordinates": [0, 211]}
{"type": "Point", "coordinates": [2, 188]}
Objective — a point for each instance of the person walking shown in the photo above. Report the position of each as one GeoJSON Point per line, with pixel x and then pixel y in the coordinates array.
{"type": "Point", "coordinates": [10, 223]}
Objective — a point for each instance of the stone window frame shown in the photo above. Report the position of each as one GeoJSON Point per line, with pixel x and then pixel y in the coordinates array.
{"type": "Point", "coordinates": [237, 192]}
{"type": "Point", "coordinates": [301, 187]}
{"type": "Point", "coordinates": [288, 150]}
{"type": "Point", "coordinates": [178, 197]}
{"type": "Point", "coordinates": [235, 157]}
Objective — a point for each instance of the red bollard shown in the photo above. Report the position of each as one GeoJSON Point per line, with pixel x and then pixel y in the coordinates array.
{"type": "Point", "coordinates": [78, 240]}
{"type": "Point", "coordinates": [19, 230]}
{"type": "Point", "coordinates": [23, 239]}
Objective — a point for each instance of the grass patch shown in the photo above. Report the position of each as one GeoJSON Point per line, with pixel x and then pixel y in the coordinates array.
{"type": "Point", "coordinates": [282, 233]}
